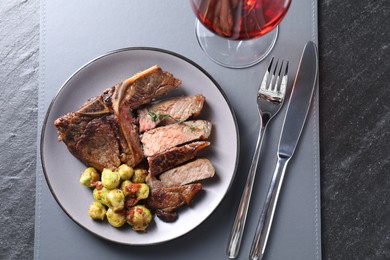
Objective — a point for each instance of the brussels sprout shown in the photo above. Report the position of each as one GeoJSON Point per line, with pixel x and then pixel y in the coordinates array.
{"type": "Point", "coordinates": [110, 179]}
{"type": "Point", "coordinates": [125, 172]}
{"type": "Point", "coordinates": [139, 190]}
{"type": "Point", "coordinates": [139, 218]}
{"type": "Point", "coordinates": [134, 192]}
{"type": "Point", "coordinates": [143, 191]}
{"type": "Point", "coordinates": [126, 187]}
{"type": "Point", "coordinates": [139, 175]}
{"type": "Point", "coordinates": [97, 210]}
{"type": "Point", "coordinates": [115, 219]}
{"type": "Point", "coordinates": [100, 194]}
{"type": "Point", "coordinates": [89, 177]}
{"type": "Point", "coordinates": [115, 199]}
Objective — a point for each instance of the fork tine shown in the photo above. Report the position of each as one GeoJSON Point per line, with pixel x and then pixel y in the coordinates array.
{"type": "Point", "coordinates": [271, 86]}
{"type": "Point", "coordinates": [276, 88]}
{"type": "Point", "coordinates": [283, 84]}
{"type": "Point", "coordinates": [266, 75]}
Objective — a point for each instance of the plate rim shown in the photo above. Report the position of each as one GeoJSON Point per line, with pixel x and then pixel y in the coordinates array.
{"type": "Point", "coordinates": [90, 62]}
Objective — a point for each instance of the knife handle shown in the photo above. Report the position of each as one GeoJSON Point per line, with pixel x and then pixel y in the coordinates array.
{"type": "Point", "coordinates": [264, 226]}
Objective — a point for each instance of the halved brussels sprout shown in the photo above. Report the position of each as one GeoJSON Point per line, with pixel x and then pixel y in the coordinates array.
{"type": "Point", "coordinates": [97, 210]}
{"type": "Point", "coordinates": [110, 179]}
{"type": "Point", "coordinates": [89, 177]}
{"type": "Point", "coordinates": [139, 218]}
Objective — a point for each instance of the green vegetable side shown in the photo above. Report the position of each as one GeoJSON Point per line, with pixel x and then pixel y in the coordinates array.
{"type": "Point", "coordinates": [118, 196]}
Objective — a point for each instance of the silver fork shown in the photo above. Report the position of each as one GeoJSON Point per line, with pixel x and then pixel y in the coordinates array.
{"type": "Point", "coordinates": [270, 98]}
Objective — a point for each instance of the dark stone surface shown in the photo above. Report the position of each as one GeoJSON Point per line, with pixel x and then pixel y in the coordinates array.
{"type": "Point", "coordinates": [354, 47]}
{"type": "Point", "coordinates": [354, 124]}
{"type": "Point", "coordinates": [19, 45]}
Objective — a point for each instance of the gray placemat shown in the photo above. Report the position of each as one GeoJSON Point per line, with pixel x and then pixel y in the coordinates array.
{"type": "Point", "coordinates": [74, 32]}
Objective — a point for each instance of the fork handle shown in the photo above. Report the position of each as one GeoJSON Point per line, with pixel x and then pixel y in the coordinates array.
{"type": "Point", "coordinates": [264, 226]}
{"type": "Point", "coordinates": [239, 222]}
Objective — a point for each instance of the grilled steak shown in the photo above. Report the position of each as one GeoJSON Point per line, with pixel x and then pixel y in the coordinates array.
{"type": "Point", "coordinates": [170, 111]}
{"type": "Point", "coordinates": [102, 132]}
{"type": "Point", "coordinates": [165, 137]}
{"type": "Point", "coordinates": [175, 156]}
{"type": "Point", "coordinates": [193, 171]}
{"type": "Point", "coordinates": [165, 200]}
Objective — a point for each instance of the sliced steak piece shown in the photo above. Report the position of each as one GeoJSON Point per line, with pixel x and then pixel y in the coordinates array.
{"type": "Point", "coordinates": [193, 171]}
{"type": "Point", "coordinates": [165, 137]}
{"type": "Point", "coordinates": [175, 156]}
{"type": "Point", "coordinates": [166, 200]}
{"type": "Point", "coordinates": [170, 111]}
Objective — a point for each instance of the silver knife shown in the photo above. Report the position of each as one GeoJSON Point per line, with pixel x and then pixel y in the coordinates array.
{"type": "Point", "coordinates": [294, 121]}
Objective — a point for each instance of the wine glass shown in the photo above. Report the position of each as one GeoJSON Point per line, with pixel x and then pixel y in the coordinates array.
{"type": "Point", "coordinates": [238, 33]}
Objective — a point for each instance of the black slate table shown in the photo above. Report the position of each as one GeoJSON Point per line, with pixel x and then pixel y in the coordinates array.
{"type": "Point", "coordinates": [354, 47]}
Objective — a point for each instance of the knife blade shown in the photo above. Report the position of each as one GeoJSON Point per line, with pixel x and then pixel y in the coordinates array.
{"type": "Point", "coordinates": [294, 121]}
{"type": "Point", "coordinates": [299, 104]}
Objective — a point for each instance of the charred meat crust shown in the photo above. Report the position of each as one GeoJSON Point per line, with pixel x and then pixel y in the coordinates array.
{"type": "Point", "coordinates": [98, 146]}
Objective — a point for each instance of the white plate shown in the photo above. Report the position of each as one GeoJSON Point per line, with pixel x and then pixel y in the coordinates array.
{"type": "Point", "coordinates": [62, 170]}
